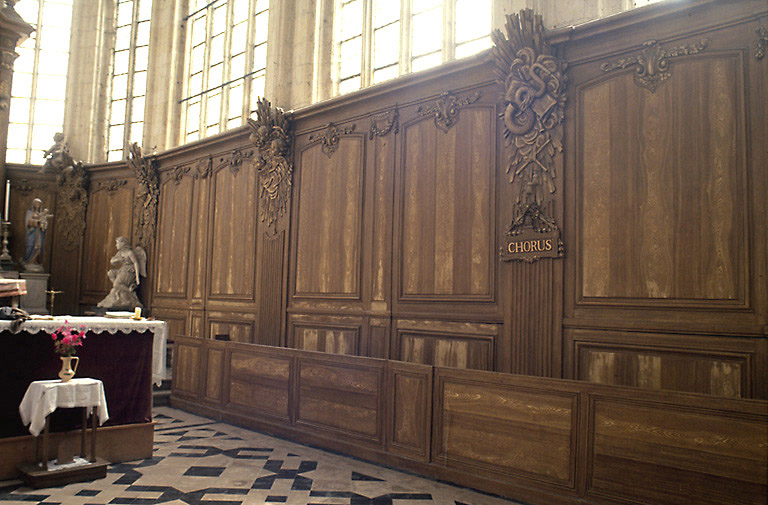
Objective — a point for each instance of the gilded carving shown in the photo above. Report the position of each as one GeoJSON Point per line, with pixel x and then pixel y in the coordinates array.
{"type": "Point", "coordinates": [112, 185]}
{"type": "Point", "coordinates": [534, 83]}
{"type": "Point", "coordinates": [446, 109]}
{"type": "Point", "coordinates": [147, 194]}
{"type": "Point", "coordinates": [652, 63]}
{"type": "Point", "coordinates": [382, 124]}
{"type": "Point", "coordinates": [71, 204]}
{"type": "Point", "coordinates": [271, 134]}
{"type": "Point", "coordinates": [762, 42]}
{"type": "Point", "coordinates": [331, 136]}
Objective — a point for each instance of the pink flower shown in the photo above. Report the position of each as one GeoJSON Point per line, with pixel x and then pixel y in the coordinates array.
{"type": "Point", "coordinates": [53, 336]}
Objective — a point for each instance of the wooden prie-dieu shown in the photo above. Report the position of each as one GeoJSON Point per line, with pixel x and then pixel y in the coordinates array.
{"type": "Point", "coordinates": [539, 271]}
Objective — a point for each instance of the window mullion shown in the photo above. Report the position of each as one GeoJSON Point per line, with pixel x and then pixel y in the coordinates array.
{"type": "Point", "coordinates": [129, 84]}
{"type": "Point", "coordinates": [33, 91]}
{"type": "Point", "coordinates": [250, 39]}
{"type": "Point", "coordinates": [366, 44]}
{"type": "Point", "coordinates": [405, 36]}
{"type": "Point", "coordinates": [449, 31]}
{"type": "Point", "coordinates": [202, 120]}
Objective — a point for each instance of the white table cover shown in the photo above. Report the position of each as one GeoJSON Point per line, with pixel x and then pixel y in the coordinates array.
{"type": "Point", "coordinates": [110, 325]}
{"type": "Point", "coordinates": [44, 397]}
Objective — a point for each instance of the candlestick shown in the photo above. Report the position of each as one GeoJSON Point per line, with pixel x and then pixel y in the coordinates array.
{"type": "Point", "coordinates": [7, 198]}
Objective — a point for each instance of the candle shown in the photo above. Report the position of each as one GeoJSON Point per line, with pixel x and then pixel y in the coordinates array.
{"type": "Point", "coordinates": [137, 313]}
{"type": "Point", "coordinates": [7, 197]}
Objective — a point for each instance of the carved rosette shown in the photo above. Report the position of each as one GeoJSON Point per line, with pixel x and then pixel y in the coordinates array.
{"type": "Point", "coordinates": [271, 134]}
{"type": "Point", "coordinates": [445, 110]}
{"type": "Point", "coordinates": [534, 83]}
{"type": "Point", "coordinates": [652, 63]}
{"type": "Point", "coordinates": [71, 204]}
{"type": "Point", "coordinates": [147, 195]}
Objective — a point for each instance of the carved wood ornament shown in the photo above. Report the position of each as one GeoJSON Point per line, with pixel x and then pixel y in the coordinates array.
{"type": "Point", "coordinates": [446, 109]}
{"type": "Point", "coordinates": [382, 124]}
{"type": "Point", "coordinates": [652, 63]}
{"type": "Point", "coordinates": [71, 204]}
{"type": "Point", "coordinates": [271, 134]}
{"type": "Point", "coordinates": [534, 82]}
{"type": "Point", "coordinates": [147, 194]}
{"type": "Point", "coordinates": [762, 42]}
{"type": "Point", "coordinates": [331, 136]}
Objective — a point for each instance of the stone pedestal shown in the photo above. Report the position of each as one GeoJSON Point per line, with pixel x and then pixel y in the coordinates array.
{"type": "Point", "coordinates": [34, 301]}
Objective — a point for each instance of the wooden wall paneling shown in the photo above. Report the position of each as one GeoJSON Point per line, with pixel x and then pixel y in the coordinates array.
{"type": "Point", "coordinates": [187, 367]}
{"type": "Point", "coordinates": [25, 187]}
{"type": "Point", "coordinates": [172, 243]}
{"type": "Point", "coordinates": [178, 325]}
{"type": "Point", "coordinates": [197, 327]}
{"type": "Point", "coordinates": [271, 294]}
{"type": "Point", "coordinates": [718, 366]}
{"type": "Point", "coordinates": [199, 232]}
{"type": "Point", "coordinates": [325, 333]}
{"type": "Point", "coordinates": [409, 409]}
{"type": "Point", "coordinates": [649, 451]}
{"type": "Point", "coordinates": [238, 326]}
{"type": "Point", "coordinates": [378, 337]}
{"type": "Point", "coordinates": [445, 206]}
{"type": "Point", "coordinates": [215, 367]}
{"type": "Point", "coordinates": [488, 424]}
{"type": "Point", "coordinates": [328, 227]}
{"type": "Point", "coordinates": [447, 344]}
{"type": "Point", "coordinates": [345, 397]}
{"type": "Point", "coordinates": [110, 215]}
{"type": "Point", "coordinates": [260, 381]}
{"type": "Point", "coordinates": [233, 232]}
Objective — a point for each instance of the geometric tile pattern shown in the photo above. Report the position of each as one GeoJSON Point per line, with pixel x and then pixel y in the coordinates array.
{"type": "Point", "coordinates": [197, 461]}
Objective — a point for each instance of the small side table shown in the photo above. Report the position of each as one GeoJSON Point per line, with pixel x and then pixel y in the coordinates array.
{"type": "Point", "coordinates": [43, 398]}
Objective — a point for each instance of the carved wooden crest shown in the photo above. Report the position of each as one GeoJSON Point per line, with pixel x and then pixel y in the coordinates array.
{"type": "Point", "coordinates": [534, 84]}
{"type": "Point", "coordinates": [271, 134]}
{"type": "Point", "coordinates": [652, 63]}
{"type": "Point", "coordinates": [331, 136]}
{"type": "Point", "coordinates": [446, 109]}
{"type": "Point", "coordinates": [71, 204]}
{"type": "Point", "coordinates": [147, 194]}
{"type": "Point", "coordinates": [382, 124]}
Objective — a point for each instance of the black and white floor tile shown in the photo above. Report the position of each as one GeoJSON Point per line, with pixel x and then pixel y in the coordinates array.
{"type": "Point", "coordinates": [197, 461]}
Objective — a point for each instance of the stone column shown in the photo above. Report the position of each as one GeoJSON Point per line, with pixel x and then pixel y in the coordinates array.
{"type": "Point", "coordinates": [13, 30]}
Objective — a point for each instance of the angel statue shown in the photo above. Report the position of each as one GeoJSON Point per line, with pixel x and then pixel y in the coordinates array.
{"type": "Point", "coordinates": [130, 264]}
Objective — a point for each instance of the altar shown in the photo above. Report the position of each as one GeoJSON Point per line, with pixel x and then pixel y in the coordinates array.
{"type": "Point", "coordinates": [127, 355]}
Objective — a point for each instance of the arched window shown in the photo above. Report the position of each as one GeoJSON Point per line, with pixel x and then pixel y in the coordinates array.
{"type": "Point", "coordinates": [226, 64]}
{"type": "Point", "coordinates": [377, 40]}
{"type": "Point", "coordinates": [39, 80]}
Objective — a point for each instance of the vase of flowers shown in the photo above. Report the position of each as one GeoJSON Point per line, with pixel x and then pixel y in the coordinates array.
{"type": "Point", "coordinates": [66, 342]}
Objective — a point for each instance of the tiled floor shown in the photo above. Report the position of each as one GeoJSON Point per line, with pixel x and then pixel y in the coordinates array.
{"type": "Point", "coordinates": [200, 461]}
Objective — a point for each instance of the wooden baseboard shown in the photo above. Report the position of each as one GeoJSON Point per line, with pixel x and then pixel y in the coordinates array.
{"type": "Point", "coordinates": [114, 444]}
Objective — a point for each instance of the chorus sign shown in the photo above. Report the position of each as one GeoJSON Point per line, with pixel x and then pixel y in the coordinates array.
{"type": "Point", "coordinates": [529, 245]}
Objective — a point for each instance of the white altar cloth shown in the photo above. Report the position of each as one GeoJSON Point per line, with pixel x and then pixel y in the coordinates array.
{"type": "Point", "coordinates": [44, 397]}
{"type": "Point", "coordinates": [110, 325]}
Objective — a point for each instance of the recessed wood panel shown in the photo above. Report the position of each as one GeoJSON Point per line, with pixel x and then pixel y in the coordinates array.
{"type": "Point", "coordinates": [342, 398]}
{"type": "Point", "coordinates": [232, 242]}
{"type": "Point", "coordinates": [662, 196]}
{"type": "Point", "coordinates": [214, 374]}
{"type": "Point", "coordinates": [271, 291]}
{"type": "Point", "coordinates": [260, 382]}
{"type": "Point", "coordinates": [173, 237]}
{"type": "Point", "coordinates": [447, 207]}
{"type": "Point", "coordinates": [186, 369]}
{"type": "Point", "coordinates": [235, 330]}
{"type": "Point", "coordinates": [677, 456]}
{"type": "Point", "coordinates": [447, 344]}
{"type": "Point", "coordinates": [110, 215]}
{"type": "Point", "coordinates": [410, 396]}
{"type": "Point", "coordinates": [330, 339]}
{"type": "Point", "coordinates": [329, 221]}
{"type": "Point", "coordinates": [507, 429]}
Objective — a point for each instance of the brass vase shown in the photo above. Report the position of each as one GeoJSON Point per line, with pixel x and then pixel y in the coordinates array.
{"type": "Point", "coordinates": [67, 371]}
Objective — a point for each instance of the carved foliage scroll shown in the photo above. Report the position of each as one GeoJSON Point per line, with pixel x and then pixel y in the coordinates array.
{"type": "Point", "coordinates": [71, 204]}
{"type": "Point", "coordinates": [446, 109]}
{"type": "Point", "coordinates": [271, 134]}
{"type": "Point", "coordinates": [534, 82]}
{"type": "Point", "coordinates": [762, 42]}
{"type": "Point", "coordinates": [331, 136]}
{"type": "Point", "coordinates": [147, 194]}
{"type": "Point", "coordinates": [652, 63]}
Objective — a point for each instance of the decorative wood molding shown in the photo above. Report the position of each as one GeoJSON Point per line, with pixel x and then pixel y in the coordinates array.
{"type": "Point", "coordinates": [145, 205]}
{"type": "Point", "coordinates": [331, 136]}
{"type": "Point", "coordinates": [72, 203]}
{"type": "Point", "coordinates": [112, 185]}
{"type": "Point", "coordinates": [446, 109]}
{"type": "Point", "coordinates": [652, 63]}
{"type": "Point", "coordinates": [25, 186]}
{"type": "Point", "coordinates": [236, 159]}
{"type": "Point", "coordinates": [762, 42]}
{"type": "Point", "coordinates": [203, 168]}
{"type": "Point", "coordinates": [178, 173]}
{"type": "Point", "coordinates": [271, 134]}
{"type": "Point", "coordinates": [534, 84]}
{"type": "Point", "coordinates": [382, 124]}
